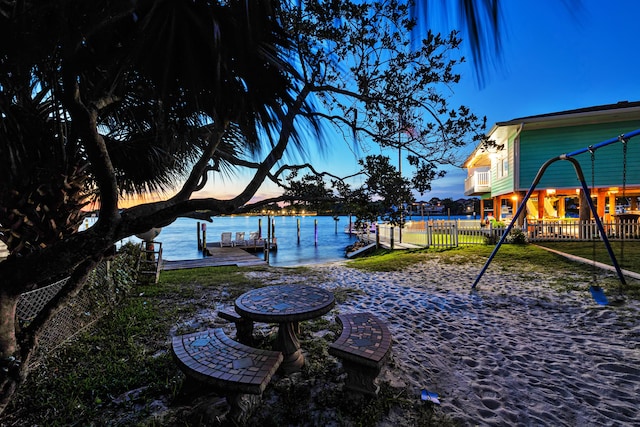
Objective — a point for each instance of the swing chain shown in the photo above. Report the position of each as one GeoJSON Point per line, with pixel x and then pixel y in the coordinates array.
{"type": "Point", "coordinates": [624, 168]}
{"type": "Point", "coordinates": [593, 170]}
{"type": "Point", "coordinates": [624, 189]}
{"type": "Point", "coordinates": [593, 187]}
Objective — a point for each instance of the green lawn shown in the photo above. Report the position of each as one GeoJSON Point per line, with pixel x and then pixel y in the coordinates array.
{"type": "Point", "coordinates": [627, 254]}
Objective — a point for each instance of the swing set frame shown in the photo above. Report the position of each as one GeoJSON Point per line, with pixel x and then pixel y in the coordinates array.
{"type": "Point", "coordinates": [587, 193]}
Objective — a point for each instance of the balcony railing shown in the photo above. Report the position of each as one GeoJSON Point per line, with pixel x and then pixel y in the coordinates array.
{"type": "Point", "coordinates": [479, 182]}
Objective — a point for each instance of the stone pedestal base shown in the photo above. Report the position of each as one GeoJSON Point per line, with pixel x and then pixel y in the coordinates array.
{"type": "Point", "coordinates": [287, 342]}
{"type": "Point", "coordinates": [360, 378]}
{"type": "Point", "coordinates": [242, 406]}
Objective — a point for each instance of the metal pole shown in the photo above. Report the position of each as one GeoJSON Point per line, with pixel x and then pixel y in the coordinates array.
{"type": "Point", "coordinates": [523, 205]}
{"type": "Point", "coordinates": [604, 143]}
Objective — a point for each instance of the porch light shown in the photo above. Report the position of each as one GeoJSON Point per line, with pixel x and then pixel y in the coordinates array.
{"type": "Point", "coordinates": [551, 191]}
{"type": "Point", "coordinates": [613, 190]}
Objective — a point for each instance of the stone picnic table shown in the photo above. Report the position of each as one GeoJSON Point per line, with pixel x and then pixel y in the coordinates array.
{"type": "Point", "coordinates": [285, 305]}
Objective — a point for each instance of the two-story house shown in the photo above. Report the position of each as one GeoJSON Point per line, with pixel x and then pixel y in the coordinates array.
{"type": "Point", "coordinates": [501, 173]}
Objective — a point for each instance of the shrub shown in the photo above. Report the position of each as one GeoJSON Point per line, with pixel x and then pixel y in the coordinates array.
{"type": "Point", "coordinates": [516, 236]}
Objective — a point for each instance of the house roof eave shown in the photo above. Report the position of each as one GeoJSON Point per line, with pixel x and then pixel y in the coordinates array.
{"type": "Point", "coordinates": [612, 112]}
{"type": "Point", "coordinates": [623, 110]}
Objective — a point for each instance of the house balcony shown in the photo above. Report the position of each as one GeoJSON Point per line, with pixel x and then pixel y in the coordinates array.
{"type": "Point", "coordinates": [478, 183]}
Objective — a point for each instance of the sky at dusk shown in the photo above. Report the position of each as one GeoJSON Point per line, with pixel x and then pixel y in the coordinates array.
{"type": "Point", "coordinates": [555, 57]}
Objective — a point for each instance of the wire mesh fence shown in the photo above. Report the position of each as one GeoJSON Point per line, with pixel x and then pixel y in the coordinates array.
{"type": "Point", "coordinates": [105, 286]}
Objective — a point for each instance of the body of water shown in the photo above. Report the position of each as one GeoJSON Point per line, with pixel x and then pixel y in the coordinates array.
{"type": "Point", "coordinates": [322, 239]}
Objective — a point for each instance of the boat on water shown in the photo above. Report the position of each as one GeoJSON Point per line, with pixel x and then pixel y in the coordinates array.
{"type": "Point", "coordinates": [358, 228]}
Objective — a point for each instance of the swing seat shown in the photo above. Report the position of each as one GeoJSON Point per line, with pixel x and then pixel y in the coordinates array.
{"type": "Point", "coordinates": [598, 295]}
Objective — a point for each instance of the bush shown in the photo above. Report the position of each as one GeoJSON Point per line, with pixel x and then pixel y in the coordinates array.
{"type": "Point", "coordinates": [516, 236]}
{"type": "Point", "coordinates": [111, 280]}
{"type": "Point", "coordinates": [497, 224]}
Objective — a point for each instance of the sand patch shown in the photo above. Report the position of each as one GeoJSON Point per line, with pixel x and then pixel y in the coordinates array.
{"type": "Point", "coordinates": [515, 351]}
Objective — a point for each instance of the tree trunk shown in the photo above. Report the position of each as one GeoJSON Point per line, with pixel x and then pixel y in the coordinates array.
{"type": "Point", "coordinates": [9, 366]}
{"type": "Point", "coordinates": [17, 347]}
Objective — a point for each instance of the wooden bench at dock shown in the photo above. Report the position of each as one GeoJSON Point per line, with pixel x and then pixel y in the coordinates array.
{"type": "Point", "coordinates": [363, 346]}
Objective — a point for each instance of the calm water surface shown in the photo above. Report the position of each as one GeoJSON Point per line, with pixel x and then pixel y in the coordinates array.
{"type": "Point", "coordinates": [322, 239]}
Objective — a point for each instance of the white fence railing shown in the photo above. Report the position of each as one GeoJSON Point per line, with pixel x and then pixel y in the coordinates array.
{"type": "Point", "coordinates": [452, 233]}
{"type": "Point", "coordinates": [579, 230]}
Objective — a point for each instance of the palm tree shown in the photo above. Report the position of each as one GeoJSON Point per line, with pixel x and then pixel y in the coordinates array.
{"type": "Point", "coordinates": [104, 98]}
{"type": "Point", "coordinates": [100, 99]}
{"type": "Point", "coordinates": [481, 20]}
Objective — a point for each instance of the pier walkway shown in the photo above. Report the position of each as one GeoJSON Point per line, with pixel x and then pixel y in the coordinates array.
{"type": "Point", "coordinates": [219, 257]}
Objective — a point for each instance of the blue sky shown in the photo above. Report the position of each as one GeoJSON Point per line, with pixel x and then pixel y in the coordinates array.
{"type": "Point", "coordinates": [554, 58]}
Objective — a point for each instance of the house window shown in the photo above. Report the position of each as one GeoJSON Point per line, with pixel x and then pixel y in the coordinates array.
{"type": "Point", "coordinates": [503, 167]}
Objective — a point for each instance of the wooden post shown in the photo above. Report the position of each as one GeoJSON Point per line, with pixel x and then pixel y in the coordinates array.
{"type": "Point", "coordinates": [267, 243]}
{"type": "Point", "coordinates": [562, 209]}
{"type": "Point", "coordinates": [600, 202]}
{"type": "Point", "coordinates": [315, 231]}
{"type": "Point", "coordinates": [273, 229]}
{"type": "Point", "coordinates": [204, 239]}
{"type": "Point", "coordinates": [391, 238]}
{"type": "Point", "coordinates": [198, 232]}
{"type": "Point", "coordinates": [298, 228]}
{"type": "Point", "coordinates": [259, 228]}
{"type": "Point", "coordinates": [540, 213]}
{"type": "Point", "coordinates": [612, 208]}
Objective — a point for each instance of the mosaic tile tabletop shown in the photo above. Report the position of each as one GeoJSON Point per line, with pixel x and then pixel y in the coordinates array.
{"type": "Point", "coordinates": [284, 303]}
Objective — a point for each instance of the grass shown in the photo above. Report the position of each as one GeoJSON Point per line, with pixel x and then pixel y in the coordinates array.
{"type": "Point", "coordinates": [517, 257]}
{"type": "Point", "coordinates": [121, 371]}
{"type": "Point", "coordinates": [627, 254]}
{"type": "Point", "coordinates": [100, 366]}
{"type": "Point", "coordinates": [507, 257]}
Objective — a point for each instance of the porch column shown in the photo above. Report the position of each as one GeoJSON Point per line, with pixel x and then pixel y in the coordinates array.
{"type": "Point", "coordinates": [601, 202]}
{"type": "Point", "coordinates": [516, 203]}
{"type": "Point", "coordinates": [494, 210]}
{"type": "Point", "coordinates": [541, 195]}
{"type": "Point", "coordinates": [585, 212]}
{"type": "Point", "coordinates": [561, 207]}
{"type": "Point", "coordinates": [612, 207]}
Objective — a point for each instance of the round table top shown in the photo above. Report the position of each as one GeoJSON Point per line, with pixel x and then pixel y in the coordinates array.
{"type": "Point", "coordinates": [284, 303]}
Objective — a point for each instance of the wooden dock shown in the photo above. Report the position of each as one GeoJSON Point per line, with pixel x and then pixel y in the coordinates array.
{"type": "Point", "coordinates": [219, 257]}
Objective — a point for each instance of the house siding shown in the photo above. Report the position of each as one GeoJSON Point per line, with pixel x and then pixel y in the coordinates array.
{"type": "Point", "coordinates": [538, 146]}
{"type": "Point", "coordinates": [505, 184]}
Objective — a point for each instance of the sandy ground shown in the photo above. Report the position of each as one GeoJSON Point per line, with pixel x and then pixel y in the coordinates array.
{"type": "Point", "coordinates": [514, 352]}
